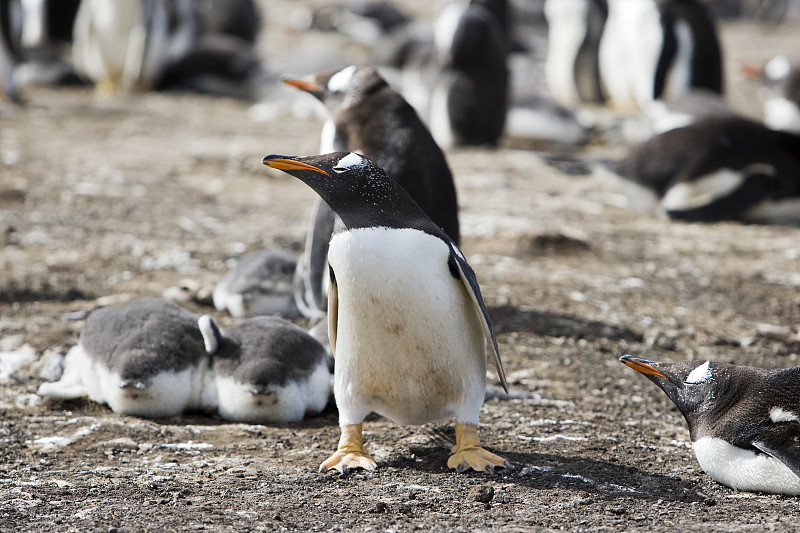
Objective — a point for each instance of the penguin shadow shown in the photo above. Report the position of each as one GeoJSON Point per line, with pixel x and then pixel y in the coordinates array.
{"type": "Point", "coordinates": [510, 319]}
{"type": "Point", "coordinates": [603, 480]}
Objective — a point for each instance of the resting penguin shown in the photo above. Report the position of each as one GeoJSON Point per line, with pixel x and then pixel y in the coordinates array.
{"type": "Point", "coordinates": [265, 370]}
{"type": "Point", "coordinates": [718, 169]}
{"type": "Point", "coordinates": [406, 320]}
{"type": "Point", "coordinates": [743, 421]}
{"type": "Point", "coordinates": [259, 284]}
{"type": "Point", "coordinates": [470, 98]}
{"type": "Point", "coordinates": [369, 116]}
{"type": "Point", "coordinates": [146, 358]}
{"type": "Point", "coordinates": [653, 49]}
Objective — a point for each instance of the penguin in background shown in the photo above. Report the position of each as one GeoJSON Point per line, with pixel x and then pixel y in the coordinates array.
{"type": "Point", "coordinates": [744, 422]}
{"type": "Point", "coordinates": [35, 36]}
{"type": "Point", "coordinates": [658, 49]}
{"type": "Point", "coordinates": [265, 369]}
{"type": "Point", "coordinates": [367, 115]}
{"type": "Point", "coordinates": [724, 168]}
{"type": "Point", "coordinates": [572, 68]}
{"type": "Point", "coordinates": [128, 44]}
{"type": "Point", "coordinates": [406, 320]}
{"type": "Point", "coordinates": [470, 97]}
{"type": "Point", "coordinates": [782, 104]}
{"type": "Point", "coordinates": [146, 358]}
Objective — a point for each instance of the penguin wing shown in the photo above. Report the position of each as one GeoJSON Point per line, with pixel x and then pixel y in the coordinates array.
{"type": "Point", "coordinates": [333, 312]}
{"type": "Point", "coordinates": [309, 283]}
{"type": "Point", "coordinates": [465, 273]}
{"type": "Point", "coordinates": [781, 441]}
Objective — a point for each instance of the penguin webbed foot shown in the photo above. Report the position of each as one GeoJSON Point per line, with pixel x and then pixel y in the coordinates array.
{"type": "Point", "coordinates": [350, 454]}
{"type": "Point", "coordinates": [469, 454]}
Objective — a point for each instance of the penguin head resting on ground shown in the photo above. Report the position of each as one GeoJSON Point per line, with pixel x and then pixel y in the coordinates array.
{"type": "Point", "coordinates": [743, 421]}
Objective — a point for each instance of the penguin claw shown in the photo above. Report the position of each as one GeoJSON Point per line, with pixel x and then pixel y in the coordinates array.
{"type": "Point", "coordinates": [344, 462]}
{"type": "Point", "coordinates": [478, 459]}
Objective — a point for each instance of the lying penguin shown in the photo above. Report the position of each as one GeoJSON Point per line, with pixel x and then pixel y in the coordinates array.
{"type": "Point", "coordinates": [406, 320]}
{"type": "Point", "coordinates": [259, 284]}
{"type": "Point", "coordinates": [265, 370]}
{"type": "Point", "coordinates": [150, 358]}
{"type": "Point", "coordinates": [744, 422]}
{"type": "Point", "coordinates": [146, 358]}
{"type": "Point", "coordinates": [721, 168]}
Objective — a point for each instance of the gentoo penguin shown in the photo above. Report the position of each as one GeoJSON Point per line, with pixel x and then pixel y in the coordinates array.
{"type": "Point", "coordinates": [146, 358]}
{"type": "Point", "coordinates": [260, 284]}
{"type": "Point", "coordinates": [406, 320]}
{"type": "Point", "coordinates": [265, 369]}
{"type": "Point", "coordinates": [572, 67]}
{"type": "Point", "coordinates": [469, 100]}
{"type": "Point", "coordinates": [367, 115]}
{"type": "Point", "coordinates": [743, 421]}
{"type": "Point", "coordinates": [127, 43]}
{"type": "Point", "coordinates": [782, 105]}
{"type": "Point", "coordinates": [718, 169]}
{"type": "Point", "coordinates": [653, 49]}
{"type": "Point", "coordinates": [34, 39]}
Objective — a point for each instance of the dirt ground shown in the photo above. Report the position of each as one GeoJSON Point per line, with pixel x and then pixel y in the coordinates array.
{"type": "Point", "coordinates": [103, 200]}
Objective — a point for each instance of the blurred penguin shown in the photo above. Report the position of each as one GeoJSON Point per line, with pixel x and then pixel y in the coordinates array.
{"type": "Point", "coordinates": [572, 70]}
{"type": "Point", "coordinates": [658, 49]}
{"type": "Point", "coordinates": [782, 104]}
{"type": "Point", "coordinates": [470, 98]}
{"type": "Point", "coordinates": [127, 44]}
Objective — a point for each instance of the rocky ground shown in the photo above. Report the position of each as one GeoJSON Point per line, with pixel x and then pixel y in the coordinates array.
{"type": "Point", "coordinates": [104, 200]}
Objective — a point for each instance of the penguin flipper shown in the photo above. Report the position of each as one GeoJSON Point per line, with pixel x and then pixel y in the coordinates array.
{"type": "Point", "coordinates": [781, 441]}
{"type": "Point", "coordinates": [310, 273]}
{"type": "Point", "coordinates": [467, 276]}
{"type": "Point", "coordinates": [333, 312]}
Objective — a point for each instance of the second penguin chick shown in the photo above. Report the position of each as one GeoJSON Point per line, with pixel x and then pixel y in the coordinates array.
{"type": "Point", "coordinates": [265, 369]}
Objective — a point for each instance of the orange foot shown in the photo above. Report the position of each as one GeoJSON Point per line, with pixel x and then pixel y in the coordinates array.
{"type": "Point", "coordinates": [468, 452]}
{"type": "Point", "coordinates": [350, 454]}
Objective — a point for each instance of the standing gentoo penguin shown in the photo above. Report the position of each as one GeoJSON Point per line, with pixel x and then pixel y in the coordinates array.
{"type": "Point", "coordinates": [470, 98]}
{"type": "Point", "coordinates": [369, 116]}
{"type": "Point", "coordinates": [657, 49]}
{"type": "Point", "coordinates": [406, 320]}
{"type": "Point", "coordinates": [718, 169]}
{"type": "Point", "coordinates": [744, 422]}
{"type": "Point", "coordinates": [265, 369]}
{"type": "Point", "coordinates": [146, 358]}
{"type": "Point", "coordinates": [782, 105]}
{"type": "Point", "coordinates": [574, 28]}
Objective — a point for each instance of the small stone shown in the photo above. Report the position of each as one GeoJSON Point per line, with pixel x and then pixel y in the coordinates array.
{"type": "Point", "coordinates": [482, 494]}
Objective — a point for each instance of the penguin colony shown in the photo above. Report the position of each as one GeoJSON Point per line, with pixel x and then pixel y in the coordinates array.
{"type": "Point", "coordinates": [413, 346]}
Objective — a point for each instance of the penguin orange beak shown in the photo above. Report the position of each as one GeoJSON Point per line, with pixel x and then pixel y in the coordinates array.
{"type": "Point", "coordinates": [641, 365]}
{"type": "Point", "coordinates": [303, 85]}
{"type": "Point", "coordinates": [284, 163]}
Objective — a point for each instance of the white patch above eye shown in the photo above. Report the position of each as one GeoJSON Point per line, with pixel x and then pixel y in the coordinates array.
{"type": "Point", "coordinates": [351, 160]}
{"type": "Point", "coordinates": [699, 374]}
{"type": "Point", "coordinates": [777, 414]}
{"type": "Point", "coordinates": [341, 80]}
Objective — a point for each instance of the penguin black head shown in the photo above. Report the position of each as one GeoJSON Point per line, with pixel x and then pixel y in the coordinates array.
{"type": "Point", "coordinates": [356, 189]}
{"type": "Point", "coordinates": [694, 387]}
{"type": "Point", "coordinates": [341, 88]}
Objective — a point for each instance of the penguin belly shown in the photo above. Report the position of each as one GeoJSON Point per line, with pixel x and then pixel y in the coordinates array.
{"type": "Point", "coordinates": [409, 343]}
{"type": "Point", "coordinates": [744, 469]}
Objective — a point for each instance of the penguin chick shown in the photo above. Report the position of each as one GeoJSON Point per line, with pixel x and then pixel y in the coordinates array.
{"type": "Point", "coordinates": [146, 358]}
{"type": "Point", "coordinates": [367, 115]}
{"type": "Point", "coordinates": [265, 369]}
{"type": "Point", "coordinates": [743, 421]}
{"type": "Point", "coordinates": [259, 284]}
{"type": "Point", "coordinates": [406, 320]}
